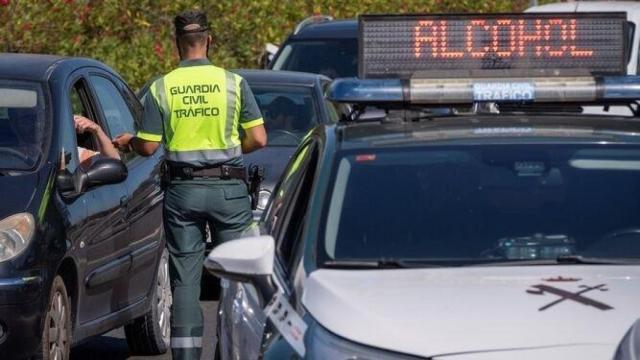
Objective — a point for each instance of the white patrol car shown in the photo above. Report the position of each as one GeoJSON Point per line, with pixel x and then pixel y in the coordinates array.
{"type": "Point", "coordinates": [483, 217]}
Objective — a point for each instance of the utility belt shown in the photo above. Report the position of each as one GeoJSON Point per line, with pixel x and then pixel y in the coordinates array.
{"type": "Point", "coordinates": [224, 172]}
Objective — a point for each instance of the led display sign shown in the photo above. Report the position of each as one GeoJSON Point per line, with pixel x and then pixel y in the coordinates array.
{"type": "Point", "coordinates": [527, 44]}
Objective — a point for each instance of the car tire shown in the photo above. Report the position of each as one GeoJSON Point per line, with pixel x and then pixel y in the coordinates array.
{"type": "Point", "coordinates": [56, 332]}
{"type": "Point", "coordinates": [150, 334]}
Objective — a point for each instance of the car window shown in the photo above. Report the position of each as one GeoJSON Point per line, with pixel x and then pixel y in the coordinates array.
{"type": "Point", "coordinates": [333, 58]}
{"type": "Point", "coordinates": [80, 102]}
{"type": "Point", "coordinates": [289, 112]}
{"type": "Point", "coordinates": [289, 238]}
{"type": "Point", "coordinates": [116, 111]}
{"type": "Point", "coordinates": [284, 194]}
{"type": "Point", "coordinates": [134, 104]}
{"type": "Point", "coordinates": [460, 205]}
{"type": "Point", "coordinates": [23, 129]}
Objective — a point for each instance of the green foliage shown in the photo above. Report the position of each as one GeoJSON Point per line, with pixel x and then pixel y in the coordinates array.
{"type": "Point", "coordinates": [135, 37]}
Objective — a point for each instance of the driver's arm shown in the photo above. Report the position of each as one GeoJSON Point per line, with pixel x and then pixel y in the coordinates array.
{"type": "Point", "coordinates": [251, 121]}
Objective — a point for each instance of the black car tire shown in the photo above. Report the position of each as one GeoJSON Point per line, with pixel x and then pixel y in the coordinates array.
{"type": "Point", "coordinates": [56, 332]}
{"type": "Point", "coordinates": [150, 334]}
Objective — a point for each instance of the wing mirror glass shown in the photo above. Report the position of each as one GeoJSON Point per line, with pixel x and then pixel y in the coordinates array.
{"type": "Point", "coordinates": [248, 260]}
{"type": "Point", "coordinates": [267, 55]}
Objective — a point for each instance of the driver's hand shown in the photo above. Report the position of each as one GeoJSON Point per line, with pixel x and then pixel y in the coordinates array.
{"type": "Point", "coordinates": [83, 124]}
{"type": "Point", "coordinates": [122, 141]}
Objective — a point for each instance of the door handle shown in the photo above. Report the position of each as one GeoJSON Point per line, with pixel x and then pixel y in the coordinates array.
{"type": "Point", "coordinates": [124, 205]}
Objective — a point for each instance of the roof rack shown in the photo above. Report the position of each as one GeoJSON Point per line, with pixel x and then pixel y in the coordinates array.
{"type": "Point", "coordinates": [315, 19]}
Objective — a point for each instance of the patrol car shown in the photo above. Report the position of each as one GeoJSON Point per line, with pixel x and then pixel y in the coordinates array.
{"type": "Point", "coordinates": [485, 217]}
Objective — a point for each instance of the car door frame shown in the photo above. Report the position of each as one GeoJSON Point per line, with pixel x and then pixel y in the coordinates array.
{"type": "Point", "coordinates": [96, 275]}
{"type": "Point", "coordinates": [146, 251]}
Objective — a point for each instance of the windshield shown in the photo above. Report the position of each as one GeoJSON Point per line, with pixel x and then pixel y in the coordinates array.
{"type": "Point", "coordinates": [333, 58]}
{"type": "Point", "coordinates": [288, 111]}
{"type": "Point", "coordinates": [463, 205]}
{"type": "Point", "coordinates": [22, 125]}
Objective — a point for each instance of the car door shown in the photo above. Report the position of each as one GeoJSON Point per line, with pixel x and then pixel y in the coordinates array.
{"type": "Point", "coordinates": [121, 110]}
{"type": "Point", "coordinates": [104, 262]}
{"type": "Point", "coordinates": [242, 321]}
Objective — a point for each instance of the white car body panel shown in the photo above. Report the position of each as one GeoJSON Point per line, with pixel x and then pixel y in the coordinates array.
{"type": "Point", "coordinates": [440, 311]}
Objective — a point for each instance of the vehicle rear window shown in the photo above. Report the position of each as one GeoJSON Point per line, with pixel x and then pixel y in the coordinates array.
{"type": "Point", "coordinates": [333, 58]}
{"type": "Point", "coordinates": [289, 112]}
{"type": "Point", "coordinates": [482, 203]}
{"type": "Point", "coordinates": [22, 125]}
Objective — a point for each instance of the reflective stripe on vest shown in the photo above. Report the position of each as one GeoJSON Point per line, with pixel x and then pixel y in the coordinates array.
{"type": "Point", "coordinates": [186, 342]}
{"type": "Point", "coordinates": [201, 108]}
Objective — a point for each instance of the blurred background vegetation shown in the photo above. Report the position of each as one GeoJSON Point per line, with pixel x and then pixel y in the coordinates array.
{"type": "Point", "coordinates": [135, 37]}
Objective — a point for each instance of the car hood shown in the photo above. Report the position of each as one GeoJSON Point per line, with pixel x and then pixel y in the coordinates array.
{"type": "Point", "coordinates": [17, 193]}
{"type": "Point", "coordinates": [436, 312]}
{"type": "Point", "coordinates": [274, 159]}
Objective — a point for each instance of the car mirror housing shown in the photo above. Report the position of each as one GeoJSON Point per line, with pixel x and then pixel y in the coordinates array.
{"type": "Point", "coordinates": [248, 260]}
{"type": "Point", "coordinates": [101, 170]}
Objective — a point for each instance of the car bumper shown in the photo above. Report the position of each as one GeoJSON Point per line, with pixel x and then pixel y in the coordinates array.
{"type": "Point", "coordinates": [20, 317]}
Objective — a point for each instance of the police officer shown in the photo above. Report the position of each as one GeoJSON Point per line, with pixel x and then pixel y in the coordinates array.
{"type": "Point", "coordinates": [195, 111]}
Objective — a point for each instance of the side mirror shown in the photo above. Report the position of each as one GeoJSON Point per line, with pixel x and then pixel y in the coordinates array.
{"type": "Point", "coordinates": [101, 171]}
{"type": "Point", "coordinates": [248, 260]}
{"type": "Point", "coordinates": [269, 52]}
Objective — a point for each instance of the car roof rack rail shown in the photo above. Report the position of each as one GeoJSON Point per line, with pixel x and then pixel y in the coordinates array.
{"type": "Point", "coordinates": [315, 19]}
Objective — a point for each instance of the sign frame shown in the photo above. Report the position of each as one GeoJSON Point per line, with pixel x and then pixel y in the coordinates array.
{"type": "Point", "coordinates": [620, 69]}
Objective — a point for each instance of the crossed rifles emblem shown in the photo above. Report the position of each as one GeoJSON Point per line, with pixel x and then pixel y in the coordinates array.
{"type": "Point", "coordinates": [578, 296]}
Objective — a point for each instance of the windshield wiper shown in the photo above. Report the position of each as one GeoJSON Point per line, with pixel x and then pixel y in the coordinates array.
{"type": "Point", "coordinates": [378, 264]}
{"type": "Point", "coordinates": [579, 259]}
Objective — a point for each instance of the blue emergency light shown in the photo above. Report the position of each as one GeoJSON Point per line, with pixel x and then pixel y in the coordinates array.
{"type": "Point", "coordinates": [580, 89]}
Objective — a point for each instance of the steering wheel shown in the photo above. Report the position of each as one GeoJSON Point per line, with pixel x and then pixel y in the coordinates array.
{"type": "Point", "coordinates": [287, 133]}
{"type": "Point", "coordinates": [15, 153]}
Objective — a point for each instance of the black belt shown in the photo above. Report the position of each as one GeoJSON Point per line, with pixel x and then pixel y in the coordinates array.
{"type": "Point", "coordinates": [223, 172]}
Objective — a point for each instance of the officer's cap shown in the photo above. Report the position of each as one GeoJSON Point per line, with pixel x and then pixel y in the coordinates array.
{"type": "Point", "coordinates": [192, 21]}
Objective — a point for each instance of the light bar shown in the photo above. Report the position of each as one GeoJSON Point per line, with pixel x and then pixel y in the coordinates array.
{"type": "Point", "coordinates": [502, 90]}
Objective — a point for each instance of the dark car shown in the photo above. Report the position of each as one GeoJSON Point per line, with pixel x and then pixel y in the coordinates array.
{"type": "Point", "coordinates": [320, 45]}
{"type": "Point", "coordinates": [291, 103]}
{"type": "Point", "coordinates": [81, 244]}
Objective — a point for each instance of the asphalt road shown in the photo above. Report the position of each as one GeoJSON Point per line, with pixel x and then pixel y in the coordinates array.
{"type": "Point", "coordinates": [113, 345]}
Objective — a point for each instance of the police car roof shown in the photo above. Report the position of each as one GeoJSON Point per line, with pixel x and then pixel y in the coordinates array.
{"type": "Point", "coordinates": [460, 127]}
{"type": "Point", "coordinates": [335, 29]}
{"type": "Point", "coordinates": [38, 67]}
{"type": "Point", "coordinates": [280, 77]}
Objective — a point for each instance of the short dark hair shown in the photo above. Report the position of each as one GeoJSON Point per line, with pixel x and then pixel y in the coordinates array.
{"type": "Point", "coordinates": [191, 40]}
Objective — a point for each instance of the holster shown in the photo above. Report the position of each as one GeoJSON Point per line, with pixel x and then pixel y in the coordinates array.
{"type": "Point", "coordinates": [256, 176]}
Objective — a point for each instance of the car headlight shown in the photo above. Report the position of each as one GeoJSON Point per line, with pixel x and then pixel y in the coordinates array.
{"type": "Point", "coordinates": [321, 344]}
{"type": "Point", "coordinates": [16, 232]}
{"type": "Point", "coordinates": [263, 199]}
